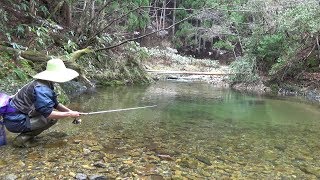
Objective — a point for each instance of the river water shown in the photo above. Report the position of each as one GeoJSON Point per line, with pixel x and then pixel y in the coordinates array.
{"type": "Point", "coordinates": [196, 131]}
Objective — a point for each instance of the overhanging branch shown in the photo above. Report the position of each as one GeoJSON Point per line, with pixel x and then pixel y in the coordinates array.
{"type": "Point", "coordinates": [148, 34]}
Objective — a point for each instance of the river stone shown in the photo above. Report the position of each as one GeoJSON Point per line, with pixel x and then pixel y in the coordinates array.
{"type": "Point", "coordinates": [86, 151]}
{"type": "Point", "coordinates": [97, 177]}
{"type": "Point", "coordinates": [204, 160]}
{"type": "Point", "coordinates": [165, 157]}
{"type": "Point", "coordinates": [99, 164]}
{"type": "Point", "coordinates": [10, 177]}
{"type": "Point", "coordinates": [281, 147]}
{"type": "Point", "coordinates": [187, 164]}
{"type": "Point", "coordinates": [156, 177]}
{"type": "Point", "coordinates": [81, 176]}
{"type": "Point", "coordinates": [269, 155]}
{"type": "Point", "coordinates": [310, 170]}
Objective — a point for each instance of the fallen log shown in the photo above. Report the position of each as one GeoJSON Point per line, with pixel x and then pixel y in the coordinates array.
{"type": "Point", "coordinates": [188, 72]}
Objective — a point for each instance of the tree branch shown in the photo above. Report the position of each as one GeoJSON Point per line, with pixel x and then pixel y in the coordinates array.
{"type": "Point", "coordinates": [148, 34]}
{"type": "Point", "coordinates": [108, 25]}
{"type": "Point", "coordinates": [100, 10]}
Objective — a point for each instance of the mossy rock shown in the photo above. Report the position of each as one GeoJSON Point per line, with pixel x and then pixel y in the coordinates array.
{"type": "Point", "coordinates": [35, 56]}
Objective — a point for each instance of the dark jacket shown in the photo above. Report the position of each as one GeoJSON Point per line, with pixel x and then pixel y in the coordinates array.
{"type": "Point", "coordinates": [36, 98]}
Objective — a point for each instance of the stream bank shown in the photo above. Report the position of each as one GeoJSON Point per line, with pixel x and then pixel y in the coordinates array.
{"type": "Point", "coordinates": [169, 59]}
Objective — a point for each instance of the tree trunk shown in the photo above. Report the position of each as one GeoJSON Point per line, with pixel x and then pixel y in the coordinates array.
{"type": "Point", "coordinates": [67, 7]}
{"type": "Point", "coordinates": [318, 47]}
{"type": "Point", "coordinates": [32, 7]}
{"type": "Point", "coordinates": [160, 20]}
{"type": "Point", "coordinates": [100, 20]}
{"type": "Point", "coordinates": [164, 14]}
{"type": "Point", "coordinates": [174, 17]}
{"type": "Point", "coordinates": [83, 19]}
{"type": "Point", "coordinates": [157, 18]}
{"type": "Point", "coordinates": [92, 13]}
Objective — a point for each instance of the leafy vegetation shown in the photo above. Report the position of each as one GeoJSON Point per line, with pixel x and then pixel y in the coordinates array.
{"type": "Point", "coordinates": [278, 40]}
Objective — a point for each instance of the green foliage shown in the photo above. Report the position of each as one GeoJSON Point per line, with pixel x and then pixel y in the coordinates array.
{"type": "Point", "coordinates": [16, 46]}
{"type": "Point", "coordinates": [44, 10]}
{"type": "Point", "coordinates": [12, 70]}
{"type": "Point", "coordinates": [6, 65]}
{"type": "Point", "coordinates": [313, 64]}
{"type": "Point", "coordinates": [223, 45]}
{"type": "Point", "coordinates": [20, 30]}
{"type": "Point", "coordinates": [20, 74]}
{"type": "Point", "coordinates": [140, 54]}
{"type": "Point", "coordinates": [196, 4]}
{"type": "Point", "coordinates": [237, 17]}
{"type": "Point", "coordinates": [245, 70]}
{"type": "Point", "coordinates": [304, 18]}
{"type": "Point", "coordinates": [184, 35]}
{"type": "Point", "coordinates": [207, 23]}
{"type": "Point", "coordinates": [24, 6]}
{"type": "Point", "coordinates": [185, 28]}
{"type": "Point", "coordinates": [277, 66]}
{"type": "Point", "coordinates": [43, 38]}
{"type": "Point", "coordinates": [138, 19]}
{"type": "Point", "coordinates": [3, 21]}
{"type": "Point", "coordinates": [133, 22]}
{"type": "Point", "coordinates": [70, 46]}
{"type": "Point", "coordinates": [268, 47]}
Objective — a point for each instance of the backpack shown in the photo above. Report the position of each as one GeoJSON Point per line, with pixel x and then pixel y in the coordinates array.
{"type": "Point", "coordinates": [4, 108]}
{"type": "Point", "coordinates": [4, 102]}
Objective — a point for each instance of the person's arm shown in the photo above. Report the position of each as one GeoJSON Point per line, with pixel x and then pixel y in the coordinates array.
{"type": "Point", "coordinates": [46, 103]}
{"type": "Point", "coordinates": [60, 107]}
{"type": "Point", "coordinates": [60, 115]}
{"type": "Point", "coordinates": [62, 112]}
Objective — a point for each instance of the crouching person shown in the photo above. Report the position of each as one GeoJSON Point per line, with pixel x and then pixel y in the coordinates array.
{"type": "Point", "coordinates": [36, 106]}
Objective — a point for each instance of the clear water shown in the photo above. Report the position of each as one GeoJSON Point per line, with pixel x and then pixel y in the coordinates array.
{"type": "Point", "coordinates": [195, 132]}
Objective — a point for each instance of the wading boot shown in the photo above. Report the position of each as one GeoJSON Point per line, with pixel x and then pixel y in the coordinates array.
{"type": "Point", "coordinates": [24, 141]}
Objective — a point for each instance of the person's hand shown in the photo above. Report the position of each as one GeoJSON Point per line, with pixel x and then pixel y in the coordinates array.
{"type": "Point", "coordinates": [74, 113]}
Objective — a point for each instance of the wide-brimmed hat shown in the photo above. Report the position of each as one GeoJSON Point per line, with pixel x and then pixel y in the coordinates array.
{"type": "Point", "coordinates": [56, 72]}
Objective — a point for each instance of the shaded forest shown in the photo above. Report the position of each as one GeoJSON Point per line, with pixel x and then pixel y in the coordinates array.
{"type": "Point", "coordinates": [272, 41]}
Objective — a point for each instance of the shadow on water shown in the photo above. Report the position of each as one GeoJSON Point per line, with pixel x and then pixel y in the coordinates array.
{"type": "Point", "coordinates": [195, 132]}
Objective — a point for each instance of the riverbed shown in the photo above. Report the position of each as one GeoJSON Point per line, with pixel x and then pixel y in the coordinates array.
{"type": "Point", "coordinates": [196, 131]}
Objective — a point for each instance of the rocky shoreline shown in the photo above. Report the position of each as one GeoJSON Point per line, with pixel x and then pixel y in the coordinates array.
{"type": "Point", "coordinates": [168, 59]}
{"type": "Point", "coordinates": [258, 88]}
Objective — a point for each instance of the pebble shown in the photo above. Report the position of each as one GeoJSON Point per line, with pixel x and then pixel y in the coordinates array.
{"type": "Point", "coordinates": [81, 176]}
{"type": "Point", "coordinates": [86, 151]}
{"type": "Point", "coordinates": [99, 164]}
{"type": "Point", "coordinates": [11, 177]}
{"type": "Point", "coordinates": [97, 177]}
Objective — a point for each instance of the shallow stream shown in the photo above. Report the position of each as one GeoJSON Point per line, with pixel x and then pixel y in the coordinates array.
{"type": "Point", "coordinates": [195, 132]}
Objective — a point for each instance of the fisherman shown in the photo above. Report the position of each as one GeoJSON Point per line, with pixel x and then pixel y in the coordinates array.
{"type": "Point", "coordinates": [36, 105]}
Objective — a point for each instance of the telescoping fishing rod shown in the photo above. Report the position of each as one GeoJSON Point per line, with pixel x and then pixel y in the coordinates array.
{"type": "Point", "coordinates": [78, 121]}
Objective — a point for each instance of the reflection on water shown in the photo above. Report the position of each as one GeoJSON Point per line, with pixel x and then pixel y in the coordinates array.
{"type": "Point", "coordinates": [195, 132]}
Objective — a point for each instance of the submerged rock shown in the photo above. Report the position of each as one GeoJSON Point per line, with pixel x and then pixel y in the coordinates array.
{"type": "Point", "coordinates": [11, 177]}
{"type": "Point", "coordinates": [97, 177]}
{"type": "Point", "coordinates": [204, 160]}
{"type": "Point", "coordinates": [81, 176]}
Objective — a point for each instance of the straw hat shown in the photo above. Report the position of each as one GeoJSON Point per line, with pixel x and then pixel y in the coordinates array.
{"type": "Point", "coordinates": [56, 72]}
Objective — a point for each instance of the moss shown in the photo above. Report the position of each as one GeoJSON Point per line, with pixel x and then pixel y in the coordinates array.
{"type": "Point", "coordinates": [112, 83]}
{"type": "Point", "coordinates": [35, 56]}
{"type": "Point", "coordinates": [274, 88]}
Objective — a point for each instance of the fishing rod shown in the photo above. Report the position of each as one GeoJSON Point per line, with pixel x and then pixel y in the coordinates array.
{"type": "Point", "coordinates": [78, 121]}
